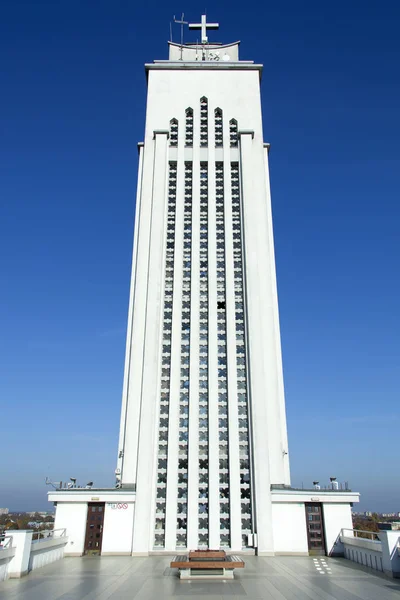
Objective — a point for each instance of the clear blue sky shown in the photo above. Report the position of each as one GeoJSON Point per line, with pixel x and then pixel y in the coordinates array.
{"type": "Point", "coordinates": [72, 109]}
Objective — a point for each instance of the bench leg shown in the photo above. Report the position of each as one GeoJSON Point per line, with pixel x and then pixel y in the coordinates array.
{"type": "Point", "coordinates": [191, 574]}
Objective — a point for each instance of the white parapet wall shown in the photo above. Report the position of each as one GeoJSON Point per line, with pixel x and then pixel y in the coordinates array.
{"type": "Point", "coordinates": [7, 553]}
{"type": "Point", "coordinates": [48, 549]}
{"type": "Point", "coordinates": [380, 552]}
{"type": "Point", "coordinates": [23, 554]}
{"type": "Point", "coordinates": [22, 541]}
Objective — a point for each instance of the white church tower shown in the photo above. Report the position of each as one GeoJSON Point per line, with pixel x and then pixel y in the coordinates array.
{"type": "Point", "coordinates": [203, 452]}
{"type": "Point", "coordinates": [203, 427]}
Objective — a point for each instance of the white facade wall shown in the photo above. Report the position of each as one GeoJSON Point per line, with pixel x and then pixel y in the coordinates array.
{"type": "Point", "coordinates": [336, 516]}
{"type": "Point", "coordinates": [118, 528]}
{"type": "Point", "coordinates": [72, 516]}
{"type": "Point", "coordinates": [289, 529]}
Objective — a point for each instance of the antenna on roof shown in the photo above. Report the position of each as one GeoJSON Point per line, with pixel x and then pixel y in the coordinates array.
{"type": "Point", "coordinates": [55, 484]}
{"type": "Point", "coordinates": [182, 22]}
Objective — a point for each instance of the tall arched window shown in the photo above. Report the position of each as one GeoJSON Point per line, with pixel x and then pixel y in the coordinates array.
{"type": "Point", "coordinates": [173, 133]}
{"type": "Point", "coordinates": [233, 133]}
{"type": "Point", "coordinates": [189, 127]}
{"type": "Point", "coordinates": [218, 127]}
{"type": "Point", "coordinates": [203, 121]}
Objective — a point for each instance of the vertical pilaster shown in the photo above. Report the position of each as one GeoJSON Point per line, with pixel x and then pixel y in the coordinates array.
{"type": "Point", "coordinates": [253, 272]}
{"type": "Point", "coordinates": [234, 472]}
{"type": "Point", "coordinates": [173, 423]}
{"type": "Point", "coordinates": [144, 522]}
{"type": "Point", "coordinates": [283, 473]}
{"type": "Point", "coordinates": [193, 461]}
{"type": "Point", "coordinates": [213, 434]}
{"type": "Point", "coordinates": [129, 424]}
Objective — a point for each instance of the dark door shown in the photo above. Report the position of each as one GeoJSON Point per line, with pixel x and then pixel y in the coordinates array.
{"type": "Point", "coordinates": [315, 528]}
{"type": "Point", "coordinates": [94, 528]}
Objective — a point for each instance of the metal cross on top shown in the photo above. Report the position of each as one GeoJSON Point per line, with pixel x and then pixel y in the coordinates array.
{"type": "Point", "coordinates": [204, 26]}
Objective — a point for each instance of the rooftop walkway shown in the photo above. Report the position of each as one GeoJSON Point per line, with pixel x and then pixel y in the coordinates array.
{"type": "Point", "coordinates": [278, 578]}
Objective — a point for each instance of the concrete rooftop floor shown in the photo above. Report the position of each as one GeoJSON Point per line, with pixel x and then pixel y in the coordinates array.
{"type": "Point", "coordinates": [277, 578]}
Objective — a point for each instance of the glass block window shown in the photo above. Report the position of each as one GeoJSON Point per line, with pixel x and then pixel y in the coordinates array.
{"type": "Point", "coordinates": [162, 458]}
{"type": "Point", "coordinates": [203, 122]}
{"type": "Point", "coordinates": [189, 127]}
{"type": "Point", "coordinates": [233, 133]}
{"type": "Point", "coordinates": [222, 363]}
{"type": "Point", "coordinates": [181, 526]}
{"type": "Point", "coordinates": [203, 359]}
{"type": "Point", "coordinates": [241, 367]}
{"type": "Point", "coordinates": [218, 127]}
{"type": "Point", "coordinates": [173, 133]}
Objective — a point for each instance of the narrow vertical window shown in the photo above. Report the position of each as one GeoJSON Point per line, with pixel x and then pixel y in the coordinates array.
{"type": "Point", "coordinates": [181, 525]}
{"type": "Point", "coordinates": [218, 127]}
{"type": "Point", "coordinates": [203, 122]}
{"type": "Point", "coordinates": [233, 133]}
{"type": "Point", "coordinates": [223, 433]}
{"type": "Point", "coordinates": [241, 368]}
{"type": "Point", "coordinates": [173, 133]}
{"type": "Point", "coordinates": [203, 360]}
{"type": "Point", "coordinates": [163, 421]}
{"type": "Point", "coordinates": [189, 127]}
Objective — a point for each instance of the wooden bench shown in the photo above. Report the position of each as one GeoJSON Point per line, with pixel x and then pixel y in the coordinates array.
{"type": "Point", "coordinates": [206, 564]}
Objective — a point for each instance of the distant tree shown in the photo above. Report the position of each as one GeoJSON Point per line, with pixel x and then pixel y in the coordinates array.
{"type": "Point", "coordinates": [365, 524]}
{"type": "Point", "coordinates": [375, 516]}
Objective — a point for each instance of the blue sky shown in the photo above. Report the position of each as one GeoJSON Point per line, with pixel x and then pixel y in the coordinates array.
{"type": "Point", "coordinates": [72, 110]}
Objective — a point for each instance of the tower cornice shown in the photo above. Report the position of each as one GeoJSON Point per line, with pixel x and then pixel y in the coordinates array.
{"type": "Point", "coordinates": [205, 65]}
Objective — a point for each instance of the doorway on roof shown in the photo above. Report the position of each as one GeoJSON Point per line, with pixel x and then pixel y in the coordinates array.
{"type": "Point", "coordinates": [315, 529]}
{"type": "Point", "coordinates": [94, 529]}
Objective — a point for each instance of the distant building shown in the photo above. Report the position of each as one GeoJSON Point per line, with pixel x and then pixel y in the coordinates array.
{"type": "Point", "coordinates": [4, 511]}
{"type": "Point", "coordinates": [389, 526]}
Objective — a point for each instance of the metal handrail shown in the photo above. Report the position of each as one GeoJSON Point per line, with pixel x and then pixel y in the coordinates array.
{"type": "Point", "coordinates": [45, 534]}
{"type": "Point", "coordinates": [7, 542]}
{"type": "Point", "coordinates": [355, 532]}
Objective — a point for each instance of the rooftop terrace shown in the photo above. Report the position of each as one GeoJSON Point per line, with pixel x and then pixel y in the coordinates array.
{"type": "Point", "coordinates": [150, 578]}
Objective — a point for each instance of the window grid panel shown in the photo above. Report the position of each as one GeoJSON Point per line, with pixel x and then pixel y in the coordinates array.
{"type": "Point", "coordinates": [233, 133]}
{"type": "Point", "coordinates": [173, 133]}
{"type": "Point", "coordinates": [244, 454]}
{"type": "Point", "coordinates": [223, 433]}
{"type": "Point", "coordinates": [203, 362]}
{"type": "Point", "coordinates": [162, 457]}
{"type": "Point", "coordinates": [203, 122]}
{"type": "Point", "coordinates": [218, 128]}
{"type": "Point", "coordinates": [189, 127]}
{"type": "Point", "coordinates": [181, 535]}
